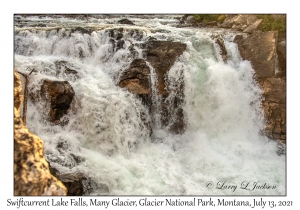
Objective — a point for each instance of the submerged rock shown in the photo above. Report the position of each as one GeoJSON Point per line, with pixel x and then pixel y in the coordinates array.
{"type": "Point", "coordinates": [31, 170]}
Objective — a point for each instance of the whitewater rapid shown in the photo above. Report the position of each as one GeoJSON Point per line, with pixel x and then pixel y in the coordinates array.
{"type": "Point", "coordinates": [221, 146]}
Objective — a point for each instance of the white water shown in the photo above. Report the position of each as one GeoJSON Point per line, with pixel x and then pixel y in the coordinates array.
{"type": "Point", "coordinates": [221, 107]}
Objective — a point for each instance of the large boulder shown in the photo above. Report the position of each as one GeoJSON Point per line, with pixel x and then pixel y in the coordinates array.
{"type": "Point", "coordinates": [136, 78]}
{"type": "Point", "coordinates": [162, 55]}
{"type": "Point", "coordinates": [125, 21]}
{"type": "Point", "coordinates": [31, 170]}
{"type": "Point", "coordinates": [261, 48]}
{"type": "Point", "coordinates": [245, 23]}
{"type": "Point", "coordinates": [73, 182]}
{"type": "Point", "coordinates": [58, 96]}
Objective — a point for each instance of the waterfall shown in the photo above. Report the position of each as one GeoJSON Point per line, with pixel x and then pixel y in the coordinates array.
{"type": "Point", "coordinates": [106, 137]}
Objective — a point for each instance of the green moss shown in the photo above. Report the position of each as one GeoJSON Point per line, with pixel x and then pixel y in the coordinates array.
{"type": "Point", "coordinates": [205, 18]}
{"type": "Point", "coordinates": [272, 23]}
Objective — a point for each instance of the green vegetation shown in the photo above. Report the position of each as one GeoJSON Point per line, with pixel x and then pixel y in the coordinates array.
{"type": "Point", "coordinates": [205, 18]}
{"type": "Point", "coordinates": [272, 23]}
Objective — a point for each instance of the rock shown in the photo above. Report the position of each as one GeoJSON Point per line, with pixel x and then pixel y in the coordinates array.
{"type": "Point", "coordinates": [221, 44]}
{"type": "Point", "coordinates": [31, 170]}
{"type": "Point", "coordinates": [162, 55]}
{"type": "Point", "coordinates": [73, 182]}
{"type": "Point", "coordinates": [116, 38]}
{"type": "Point", "coordinates": [251, 28]}
{"type": "Point", "coordinates": [240, 22]}
{"type": "Point", "coordinates": [260, 48]}
{"type": "Point", "coordinates": [65, 68]}
{"type": "Point", "coordinates": [125, 21]}
{"type": "Point", "coordinates": [58, 96]}
{"type": "Point", "coordinates": [82, 30]}
{"type": "Point", "coordinates": [212, 23]}
{"type": "Point", "coordinates": [18, 97]}
{"type": "Point", "coordinates": [281, 53]}
{"type": "Point", "coordinates": [191, 20]}
{"type": "Point", "coordinates": [136, 79]}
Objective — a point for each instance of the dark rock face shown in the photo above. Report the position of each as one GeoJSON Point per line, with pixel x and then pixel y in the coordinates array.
{"type": "Point", "coordinates": [281, 53]}
{"type": "Point", "coordinates": [81, 30]}
{"type": "Point", "coordinates": [73, 182]}
{"type": "Point", "coordinates": [65, 68]}
{"type": "Point", "coordinates": [161, 55]}
{"type": "Point", "coordinates": [136, 79]}
{"type": "Point", "coordinates": [261, 49]}
{"type": "Point", "coordinates": [221, 44]}
{"type": "Point", "coordinates": [125, 21]}
{"type": "Point", "coordinates": [116, 38]}
{"type": "Point", "coordinates": [31, 170]}
{"type": "Point", "coordinates": [59, 95]}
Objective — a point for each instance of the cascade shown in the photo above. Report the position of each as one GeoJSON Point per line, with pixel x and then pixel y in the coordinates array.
{"type": "Point", "coordinates": [210, 134]}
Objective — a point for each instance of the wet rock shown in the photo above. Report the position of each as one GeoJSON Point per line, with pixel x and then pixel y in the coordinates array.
{"type": "Point", "coordinates": [125, 21]}
{"type": "Point", "coordinates": [136, 79]}
{"type": "Point", "coordinates": [221, 44]}
{"type": "Point", "coordinates": [116, 38]}
{"type": "Point", "coordinates": [81, 30]}
{"type": "Point", "coordinates": [73, 183]}
{"type": "Point", "coordinates": [274, 105]}
{"type": "Point", "coordinates": [260, 48]}
{"type": "Point", "coordinates": [58, 96]}
{"type": "Point", "coordinates": [31, 170]}
{"type": "Point", "coordinates": [162, 55]}
{"type": "Point", "coordinates": [65, 68]}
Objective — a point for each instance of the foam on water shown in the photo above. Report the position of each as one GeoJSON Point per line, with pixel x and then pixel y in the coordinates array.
{"type": "Point", "coordinates": [222, 141]}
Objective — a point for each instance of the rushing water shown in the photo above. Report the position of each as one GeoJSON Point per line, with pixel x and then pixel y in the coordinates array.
{"type": "Point", "coordinates": [221, 145]}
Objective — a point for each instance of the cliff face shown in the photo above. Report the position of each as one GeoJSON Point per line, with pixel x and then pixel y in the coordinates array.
{"type": "Point", "coordinates": [268, 59]}
{"type": "Point", "coordinates": [31, 170]}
